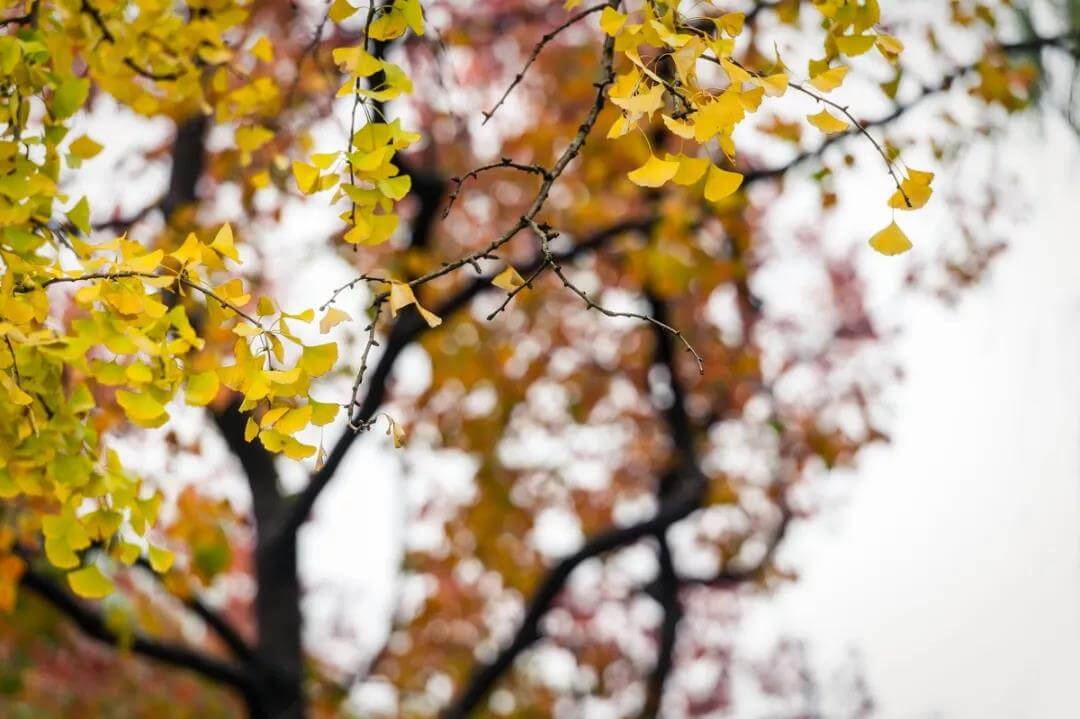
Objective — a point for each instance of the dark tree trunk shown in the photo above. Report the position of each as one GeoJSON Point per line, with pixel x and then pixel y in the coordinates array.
{"type": "Point", "coordinates": [277, 615]}
{"type": "Point", "coordinates": [278, 662]}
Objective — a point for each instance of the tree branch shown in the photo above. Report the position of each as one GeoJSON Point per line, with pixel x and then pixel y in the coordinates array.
{"type": "Point", "coordinates": [407, 329]}
{"type": "Point", "coordinates": [681, 504]}
{"type": "Point", "coordinates": [667, 595]}
{"type": "Point", "coordinates": [92, 624]}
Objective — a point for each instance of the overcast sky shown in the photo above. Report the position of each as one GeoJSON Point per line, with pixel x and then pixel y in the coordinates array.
{"type": "Point", "coordinates": [953, 566]}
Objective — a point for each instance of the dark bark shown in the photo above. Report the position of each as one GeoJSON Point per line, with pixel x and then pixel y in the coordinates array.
{"type": "Point", "coordinates": [93, 625]}
{"type": "Point", "coordinates": [277, 662]}
{"type": "Point", "coordinates": [278, 657]}
{"type": "Point", "coordinates": [667, 595]}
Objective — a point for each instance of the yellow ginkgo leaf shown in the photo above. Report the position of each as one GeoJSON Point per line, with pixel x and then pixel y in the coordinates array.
{"type": "Point", "coordinates": [691, 169]}
{"type": "Point", "coordinates": [914, 191]}
{"type": "Point", "coordinates": [202, 388]}
{"type": "Point", "coordinates": [611, 21]}
{"type": "Point", "coordinates": [84, 147]}
{"type": "Point", "coordinates": [356, 61]}
{"type": "Point", "coordinates": [827, 123]}
{"type": "Point", "coordinates": [852, 45]}
{"type": "Point", "coordinates": [432, 319]}
{"type": "Point", "coordinates": [891, 240]}
{"type": "Point", "coordinates": [223, 243]}
{"type": "Point", "coordinates": [774, 85]}
{"type": "Point", "coordinates": [831, 79]}
{"type": "Point", "coordinates": [721, 183]}
{"type": "Point", "coordinates": [306, 176]}
{"type": "Point", "coordinates": [341, 10]}
{"type": "Point", "coordinates": [401, 295]}
{"type": "Point", "coordinates": [394, 430]}
{"type": "Point", "coordinates": [251, 137]}
{"type": "Point", "coordinates": [319, 359]}
{"type": "Point", "coordinates": [679, 128]}
{"type": "Point", "coordinates": [889, 46]}
{"type": "Point", "coordinates": [262, 49]}
{"type": "Point", "coordinates": [90, 583]}
{"type": "Point", "coordinates": [736, 73]}
{"type": "Point", "coordinates": [654, 173]}
{"type": "Point", "coordinates": [161, 560]}
{"type": "Point", "coordinates": [332, 319]}
{"type": "Point", "coordinates": [139, 407]}
{"type": "Point", "coordinates": [79, 215]}
{"type": "Point", "coordinates": [59, 553]}
{"type": "Point", "coordinates": [508, 280]}
{"type": "Point", "coordinates": [294, 449]}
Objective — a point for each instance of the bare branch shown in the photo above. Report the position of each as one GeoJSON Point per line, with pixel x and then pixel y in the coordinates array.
{"type": "Point", "coordinates": [544, 40]}
{"type": "Point", "coordinates": [93, 625]}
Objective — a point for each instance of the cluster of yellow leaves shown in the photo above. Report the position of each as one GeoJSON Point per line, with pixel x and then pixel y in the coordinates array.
{"type": "Point", "coordinates": [664, 49]}
{"type": "Point", "coordinates": [134, 339]}
{"type": "Point", "coordinates": [365, 173]}
{"type": "Point", "coordinates": [129, 338]}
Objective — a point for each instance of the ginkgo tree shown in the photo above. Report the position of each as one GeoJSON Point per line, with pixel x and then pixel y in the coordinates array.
{"type": "Point", "coordinates": [622, 137]}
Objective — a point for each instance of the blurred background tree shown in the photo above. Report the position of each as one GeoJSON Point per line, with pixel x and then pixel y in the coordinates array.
{"type": "Point", "coordinates": [586, 509]}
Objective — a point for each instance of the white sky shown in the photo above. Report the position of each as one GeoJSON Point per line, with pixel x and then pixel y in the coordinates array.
{"type": "Point", "coordinates": [954, 567]}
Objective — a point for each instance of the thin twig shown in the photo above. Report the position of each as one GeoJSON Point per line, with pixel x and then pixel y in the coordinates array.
{"type": "Point", "coordinates": [536, 53]}
{"type": "Point", "coordinates": [546, 236]}
{"type": "Point", "coordinates": [505, 162]}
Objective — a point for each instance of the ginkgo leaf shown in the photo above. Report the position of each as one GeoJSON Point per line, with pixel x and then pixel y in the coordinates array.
{"type": "Point", "coordinates": [891, 240]}
{"type": "Point", "coordinates": [319, 359]}
{"type": "Point", "coordinates": [341, 10]}
{"type": "Point", "coordinates": [679, 128]}
{"type": "Point", "coordinates": [90, 583]}
{"type": "Point", "coordinates": [852, 45]}
{"type": "Point", "coordinates": [691, 169]}
{"type": "Point", "coordinates": [721, 183]}
{"type": "Point", "coordinates": [396, 187]}
{"type": "Point", "coordinates": [827, 123]}
{"type": "Point", "coordinates": [79, 215]}
{"type": "Point", "coordinates": [736, 73]}
{"type": "Point", "coordinates": [69, 96]}
{"type": "Point", "coordinates": [84, 147]}
{"type": "Point", "coordinates": [202, 388]}
{"type": "Point", "coordinates": [654, 173]}
{"type": "Point", "coordinates": [250, 138]}
{"type": "Point", "coordinates": [432, 319]}
{"type": "Point", "coordinates": [914, 191]}
{"type": "Point", "coordinates": [611, 21]}
{"type": "Point", "coordinates": [401, 295]}
{"type": "Point", "coordinates": [306, 177]}
{"type": "Point", "coordinates": [59, 553]}
{"type": "Point", "coordinates": [332, 319]}
{"type": "Point", "coordinates": [831, 79]}
{"type": "Point", "coordinates": [356, 61]}
{"type": "Point", "coordinates": [731, 23]}
{"type": "Point", "coordinates": [223, 243]}
{"type": "Point", "coordinates": [139, 407]}
{"type": "Point", "coordinates": [393, 429]}
{"type": "Point", "coordinates": [251, 429]}
{"type": "Point", "coordinates": [262, 49]}
{"type": "Point", "coordinates": [508, 280]}
{"type": "Point", "coordinates": [774, 85]}
{"type": "Point", "coordinates": [323, 413]}
{"type": "Point", "coordinates": [296, 450]}
{"type": "Point", "coordinates": [889, 46]}
{"type": "Point", "coordinates": [161, 560]}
